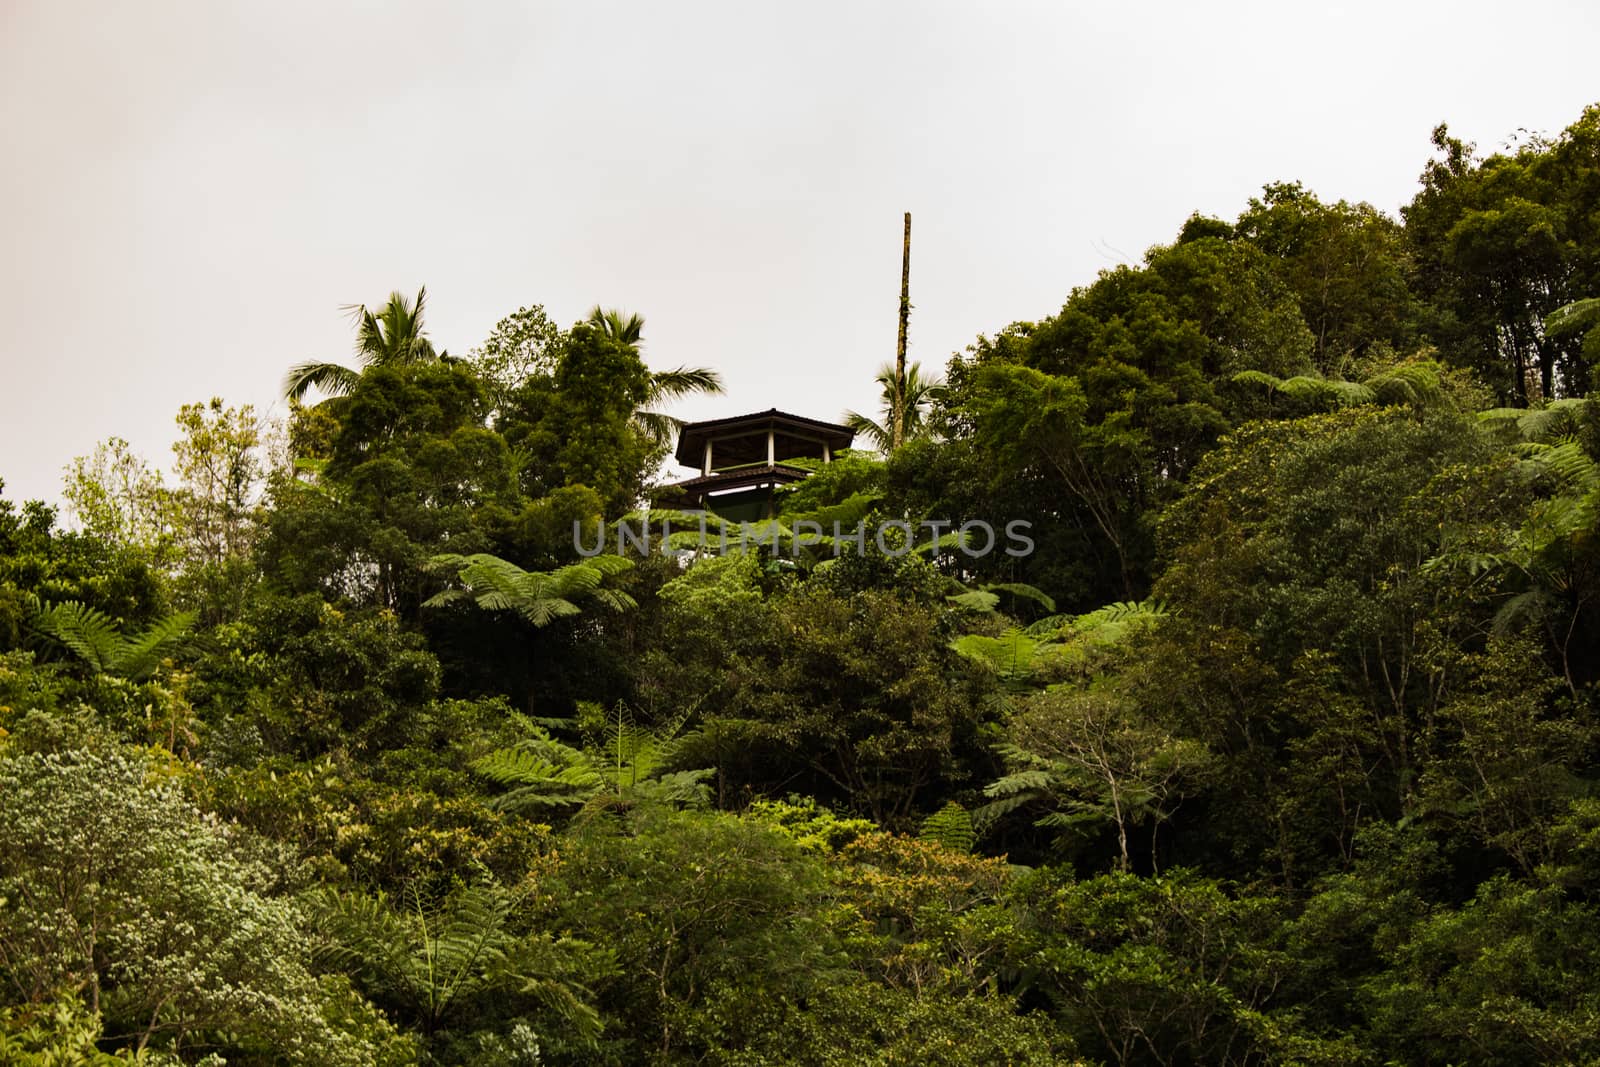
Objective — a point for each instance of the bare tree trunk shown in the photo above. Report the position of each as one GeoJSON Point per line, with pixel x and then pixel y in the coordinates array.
{"type": "Point", "coordinates": [897, 434]}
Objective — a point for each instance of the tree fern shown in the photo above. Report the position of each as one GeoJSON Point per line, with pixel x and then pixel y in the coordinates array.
{"type": "Point", "coordinates": [1415, 382]}
{"type": "Point", "coordinates": [88, 633]}
{"type": "Point", "coordinates": [540, 773]}
{"type": "Point", "coordinates": [986, 597]}
{"type": "Point", "coordinates": [429, 960]}
{"type": "Point", "coordinates": [1015, 656]}
{"type": "Point", "coordinates": [979, 600]}
{"type": "Point", "coordinates": [1027, 782]}
{"type": "Point", "coordinates": [1309, 390]}
{"type": "Point", "coordinates": [620, 760]}
{"type": "Point", "coordinates": [1574, 317]}
{"type": "Point", "coordinates": [847, 513]}
{"type": "Point", "coordinates": [628, 754]}
{"type": "Point", "coordinates": [541, 597]}
{"type": "Point", "coordinates": [95, 638]}
{"type": "Point", "coordinates": [1023, 590]}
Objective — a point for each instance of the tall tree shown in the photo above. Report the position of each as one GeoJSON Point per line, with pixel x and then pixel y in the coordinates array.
{"type": "Point", "coordinates": [1499, 243]}
{"type": "Point", "coordinates": [116, 496]}
{"type": "Point", "coordinates": [1346, 264]}
{"type": "Point", "coordinates": [220, 468]}
{"type": "Point", "coordinates": [523, 344]}
{"type": "Point", "coordinates": [658, 427]}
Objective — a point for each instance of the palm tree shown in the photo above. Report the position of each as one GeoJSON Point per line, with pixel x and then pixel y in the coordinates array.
{"type": "Point", "coordinates": [664, 386]}
{"type": "Point", "coordinates": [917, 393]}
{"type": "Point", "coordinates": [624, 327]}
{"type": "Point", "coordinates": [391, 336]}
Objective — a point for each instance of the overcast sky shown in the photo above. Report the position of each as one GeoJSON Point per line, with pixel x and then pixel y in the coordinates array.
{"type": "Point", "coordinates": [191, 190]}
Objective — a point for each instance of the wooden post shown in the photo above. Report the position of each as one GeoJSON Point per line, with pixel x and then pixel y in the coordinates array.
{"type": "Point", "coordinates": [897, 408]}
{"type": "Point", "coordinates": [706, 467]}
{"type": "Point", "coordinates": [772, 447]}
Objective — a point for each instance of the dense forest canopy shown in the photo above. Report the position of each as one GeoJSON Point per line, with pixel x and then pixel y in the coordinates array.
{"type": "Point", "coordinates": [1280, 746]}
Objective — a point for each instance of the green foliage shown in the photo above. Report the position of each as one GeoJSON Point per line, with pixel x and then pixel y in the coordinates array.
{"type": "Point", "coordinates": [1152, 969]}
{"type": "Point", "coordinates": [911, 400]}
{"type": "Point", "coordinates": [1059, 646]}
{"type": "Point", "coordinates": [853, 479]}
{"type": "Point", "coordinates": [541, 773]}
{"type": "Point", "coordinates": [853, 693]}
{"type": "Point", "coordinates": [698, 905]}
{"type": "Point", "coordinates": [1502, 247]}
{"type": "Point", "coordinates": [522, 345]}
{"type": "Point", "coordinates": [497, 585]}
{"type": "Point", "coordinates": [1090, 759]}
{"type": "Point", "coordinates": [452, 965]}
{"type": "Point", "coordinates": [391, 336]}
{"type": "Point", "coordinates": [1291, 712]}
{"type": "Point", "coordinates": [1347, 266]}
{"type": "Point", "coordinates": [298, 675]}
{"type": "Point", "coordinates": [950, 826]}
{"type": "Point", "coordinates": [117, 497]}
{"type": "Point", "coordinates": [577, 427]}
{"type": "Point", "coordinates": [62, 1033]}
{"type": "Point", "coordinates": [116, 889]}
{"type": "Point", "coordinates": [95, 638]}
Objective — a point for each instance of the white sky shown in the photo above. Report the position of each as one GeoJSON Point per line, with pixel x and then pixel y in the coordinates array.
{"type": "Point", "coordinates": [190, 190]}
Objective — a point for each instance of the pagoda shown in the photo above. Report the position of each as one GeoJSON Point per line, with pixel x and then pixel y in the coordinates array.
{"type": "Point", "coordinates": [743, 459]}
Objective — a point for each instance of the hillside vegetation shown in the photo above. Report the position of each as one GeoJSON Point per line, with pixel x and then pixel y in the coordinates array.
{"type": "Point", "coordinates": [1280, 746]}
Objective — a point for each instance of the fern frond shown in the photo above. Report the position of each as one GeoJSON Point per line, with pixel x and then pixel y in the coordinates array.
{"type": "Point", "coordinates": [954, 539]}
{"type": "Point", "coordinates": [1326, 391]}
{"type": "Point", "coordinates": [1416, 384]}
{"type": "Point", "coordinates": [975, 600]}
{"type": "Point", "coordinates": [1569, 318]}
{"type": "Point", "coordinates": [1027, 592]}
{"type": "Point", "coordinates": [846, 514]}
{"type": "Point", "coordinates": [140, 654]}
{"type": "Point", "coordinates": [1030, 780]}
{"type": "Point", "coordinates": [1557, 418]}
{"type": "Point", "coordinates": [88, 632]}
{"type": "Point", "coordinates": [1270, 382]}
{"type": "Point", "coordinates": [987, 815]}
{"type": "Point", "coordinates": [950, 826]}
{"type": "Point", "coordinates": [1049, 626]}
{"type": "Point", "coordinates": [541, 773]}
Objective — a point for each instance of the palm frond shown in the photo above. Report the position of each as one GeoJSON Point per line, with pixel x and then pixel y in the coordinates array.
{"type": "Point", "coordinates": [866, 428]}
{"type": "Point", "coordinates": [912, 399]}
{"type": "Point", "coordinates": [330, 379]}
{"type": "Point", "coordinates": [683, 381]}
{"type": "Point", "coordinates": [658, 427]}
{"type": "Point", "coordinates": [623, 327]}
